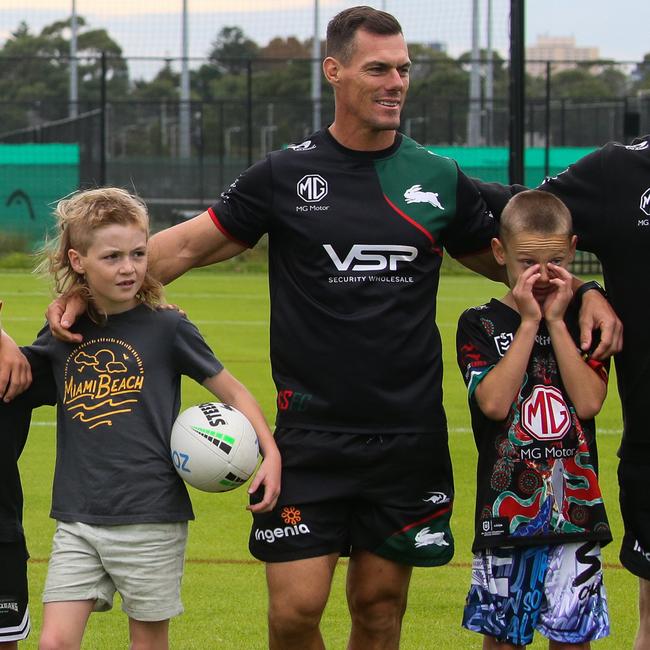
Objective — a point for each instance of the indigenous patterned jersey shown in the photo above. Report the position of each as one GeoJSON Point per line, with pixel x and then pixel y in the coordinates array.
{"type": "Point", "coordinates": [608, 193]}
{"type": "Point", "coordinates": [537, 469]}
{"type": "Point", "coordinates": [355, 247]}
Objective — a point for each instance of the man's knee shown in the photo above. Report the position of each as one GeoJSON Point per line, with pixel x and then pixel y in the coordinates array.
{"type": "Point", "coordinates": [295, 613]}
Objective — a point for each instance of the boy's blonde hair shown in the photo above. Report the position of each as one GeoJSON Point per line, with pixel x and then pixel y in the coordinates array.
{"type": "Point", "coordinates": [535, 211]}
{"type": "Point", "coordinates": [79, 217]}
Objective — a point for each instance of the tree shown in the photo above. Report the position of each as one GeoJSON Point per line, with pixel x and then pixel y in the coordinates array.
{"type": "Point", "coordinates": [232, 49]}
{"type": "Point", "coordinates": [34, 71]}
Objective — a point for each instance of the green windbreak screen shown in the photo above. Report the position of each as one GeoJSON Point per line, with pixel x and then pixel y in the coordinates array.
{"type": "Point", "coordinates": [491, 163]}
{"type": "Point", "coordinates": [33, 177]}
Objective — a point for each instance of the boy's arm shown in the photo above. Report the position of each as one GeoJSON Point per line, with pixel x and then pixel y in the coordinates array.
{"type": "Point", "coordinates": [586, 388]}
{"type": "Point", "coordinates": [231, 391]}
{"type": "Point", "coordinates": [498, 389]}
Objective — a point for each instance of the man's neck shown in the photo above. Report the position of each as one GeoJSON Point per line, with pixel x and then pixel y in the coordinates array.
{"type": "Point", "coordinates": [363, 140]}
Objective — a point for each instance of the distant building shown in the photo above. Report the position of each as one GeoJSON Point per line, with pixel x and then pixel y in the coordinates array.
{"type": "Point", "coordinates": [557, 48]}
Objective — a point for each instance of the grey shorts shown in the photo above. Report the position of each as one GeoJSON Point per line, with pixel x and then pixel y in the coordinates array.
{"type": "Point", "coordinates": [143, 562]}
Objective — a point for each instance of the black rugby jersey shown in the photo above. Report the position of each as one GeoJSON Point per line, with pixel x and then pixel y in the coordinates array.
{"type": "Point", "coordinates": [15, 417]}
{"type": "Point", "coordinates": [608, 193]}
{"type": "Point", "coordinates": [537, 472]}
{"type": "Point", "coordinates": [355, 247]}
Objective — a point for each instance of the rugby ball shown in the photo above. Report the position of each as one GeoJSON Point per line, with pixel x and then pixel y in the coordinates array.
{"type": "Point", "coordinates": [214, 447]}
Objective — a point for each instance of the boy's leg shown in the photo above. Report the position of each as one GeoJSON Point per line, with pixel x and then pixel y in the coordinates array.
{"type": "Point", "coordinates": [149, 635]}
{"type": "Point", "coordinates": [298, 592]}
{"type": "Point", "coordinates": [574, 610]}
{"type": "Point", "coordinates": [14, 611]}
{"type": "Point", "coordinates": [642, 641]}
{"type": "Point", "coordinates": [64, 624]}
{"type": "Point", "coordinates": [490, 643]}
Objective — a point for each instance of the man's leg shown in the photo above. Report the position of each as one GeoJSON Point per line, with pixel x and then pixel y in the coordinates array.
{"type": "Point", "coordinates": [642, 641]}
{"type": "Point", "coordinates": [298, 593]}
{"type": "Point", "coordinates": [377, 591]}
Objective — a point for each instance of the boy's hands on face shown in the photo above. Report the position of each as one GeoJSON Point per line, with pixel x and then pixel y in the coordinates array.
{"type": "Point", "coordinates": [557, 301]}
{"type": "Point", "coordinates": [522, 292]}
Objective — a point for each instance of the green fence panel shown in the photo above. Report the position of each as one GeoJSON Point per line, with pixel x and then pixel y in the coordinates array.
{"type": "Point", "coordinates": [33, 177]}
{"type": "Point", "coordinates": [491, 163]}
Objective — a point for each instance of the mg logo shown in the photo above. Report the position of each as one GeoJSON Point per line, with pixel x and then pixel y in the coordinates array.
{"type": "Point", "coordinates": [645, 202]}
{"type": "Point", "coordinates": [544, 413]}
{"type": "Point", "coordinates": [312, 188]}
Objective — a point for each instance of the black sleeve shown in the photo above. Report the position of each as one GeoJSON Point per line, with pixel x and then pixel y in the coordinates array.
{"type": "Point", "coordinates": [476, 349]}
{"type": "Point", "coordinates": [583, 188]}
{"type": "Point", "coordinates": [474, 225]}
{"type": "Point", "coordinates": [243, 211]}
{"type": "Point", "coordinates": [193, 355]}
{"type": "Point", "coordinates": [496, 195]}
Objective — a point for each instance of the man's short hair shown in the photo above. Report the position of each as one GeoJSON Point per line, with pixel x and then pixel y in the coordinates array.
{"type": "Point", "coordinates": [535, 211]}
{"type": "Point", "coordinates": [342, 29]}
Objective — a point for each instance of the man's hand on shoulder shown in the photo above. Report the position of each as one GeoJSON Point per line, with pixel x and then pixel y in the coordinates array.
{"type": "Point", "coordinates": [597, 314]}
{"type": "Point", "coordinates": [61, 316]}
{"type": "Point", "coordinates": [15, 371]}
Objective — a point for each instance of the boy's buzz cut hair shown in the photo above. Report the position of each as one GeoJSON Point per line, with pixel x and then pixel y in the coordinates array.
{"type": "Point", "coordinates": [342, 29]}
{"type": "Point", "coordinates": [535, 211]}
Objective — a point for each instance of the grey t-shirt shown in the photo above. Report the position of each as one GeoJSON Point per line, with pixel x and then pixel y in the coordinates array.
{"type": "Point", "coordinates": [118, 393]}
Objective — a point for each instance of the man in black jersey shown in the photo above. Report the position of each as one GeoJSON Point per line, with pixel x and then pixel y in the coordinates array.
{"type": "Point", "coordinates": [608, 193]}
{"type": "Point", "coordinates": [357, 217]}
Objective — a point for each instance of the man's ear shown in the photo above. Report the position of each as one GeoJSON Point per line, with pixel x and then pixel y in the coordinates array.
{"type": "Point", "coordinates": [331, 69]}
{"type": "Point", "coordinates": [76, 261]}
{"type": "Point", "coordinates": [498, 251]}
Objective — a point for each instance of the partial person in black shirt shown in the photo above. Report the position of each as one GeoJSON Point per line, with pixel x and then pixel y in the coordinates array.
{"type": "Point", "coordinates": [608, 193]}
{"type": "Point", "coordinates": [357, 217]}
{"type": "Point", "coordinates": [15, 417]}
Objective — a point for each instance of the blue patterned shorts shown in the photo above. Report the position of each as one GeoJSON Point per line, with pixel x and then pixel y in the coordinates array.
{"type": "Point", "coordinates": [557, 590]}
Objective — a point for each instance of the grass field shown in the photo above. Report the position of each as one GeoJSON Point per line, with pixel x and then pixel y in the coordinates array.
{"type": "Point", "coordinates": [224, 590]}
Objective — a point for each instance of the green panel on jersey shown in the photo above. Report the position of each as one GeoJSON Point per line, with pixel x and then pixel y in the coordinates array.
{"type": "Point", "coordinates": [420, 184]}
{"type": "Point", "coordinates": [428, 544]}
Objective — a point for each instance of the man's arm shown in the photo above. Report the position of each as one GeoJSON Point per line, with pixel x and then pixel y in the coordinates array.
{"type": "Point", "coordinates": [193, 243]}
{"type": "Point", "coordinates": [172, 252]}
{"type": "Point", "coordinates": [595, 312]}
{"type": "Point", "coordinates": [484, 264]}
{"type": "Point", "coordinates": [15, 371]}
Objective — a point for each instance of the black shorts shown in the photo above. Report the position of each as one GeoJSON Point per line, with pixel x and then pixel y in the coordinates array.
{"type": "Point", "coordinates": [14, 613]}
{"type": "Point", "coordinates": [635, 509]}
{"type": "Point", "coordinates": [389, 494]}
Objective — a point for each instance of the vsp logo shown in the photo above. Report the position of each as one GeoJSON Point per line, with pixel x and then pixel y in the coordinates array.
{"type": "Point", "coordinates": [377, 257]}
{"type": "Point", "coordinates": [544, 413]}
{"type": "Point", "coordinates": [644, 205]}
{"type": "Point", "coordinates": [312, 188]}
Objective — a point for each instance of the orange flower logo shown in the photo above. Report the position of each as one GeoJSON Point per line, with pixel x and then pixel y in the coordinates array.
{"type": "Point", "coordinates": [290, 515]}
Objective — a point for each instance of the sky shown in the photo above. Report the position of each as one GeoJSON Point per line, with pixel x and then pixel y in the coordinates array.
{"type": "Point", "coordinates": [152, 27]}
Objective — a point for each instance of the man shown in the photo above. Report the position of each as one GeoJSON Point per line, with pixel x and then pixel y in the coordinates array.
{"type": "Point", "coordinates": [608, 193]}
{"type": "Point", "coordinates": [357, 216]}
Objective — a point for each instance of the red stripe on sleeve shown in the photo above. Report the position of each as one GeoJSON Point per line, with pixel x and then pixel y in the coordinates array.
{"type": "Point", "coordinates": [219, 225]}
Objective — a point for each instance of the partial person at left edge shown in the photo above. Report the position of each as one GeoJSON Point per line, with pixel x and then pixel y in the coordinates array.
{"type": "Point", "coordinates": [15, 418]}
